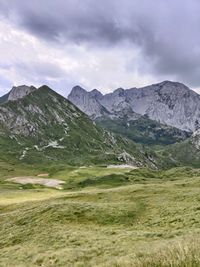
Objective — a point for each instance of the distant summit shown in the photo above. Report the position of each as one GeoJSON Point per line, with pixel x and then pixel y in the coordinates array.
{"type": "Point", "coordinates": [170, 103]}
{"type": "Point", "coordinates": [20, 91]}
{"type": "Point", "coordinates": [17, 92]}
{"type": "Point", "coordinates": [88, 102]}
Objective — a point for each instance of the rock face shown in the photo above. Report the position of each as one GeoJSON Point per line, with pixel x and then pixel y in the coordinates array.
{"type": "Point", "coordinates": [195, 139]}
{"type": "Point", "coordinates": [87, 101]}
{"type": "Point", "coordinates": [170, 103]}
{"type": "Point", "coordinates": [17, 92]}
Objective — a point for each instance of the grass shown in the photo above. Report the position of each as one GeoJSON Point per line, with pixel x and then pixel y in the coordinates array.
{"type": "Point", "coordinates": [150, 219]}
{"type": "Point", "coordinates": [144, 130]}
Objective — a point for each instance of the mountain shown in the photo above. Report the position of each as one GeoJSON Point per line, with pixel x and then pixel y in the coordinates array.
{"type": "Point", "coordinates": [16, 93]}
{"type": "Point", "coordinates": [39, 126]}
{"type": "Point", "coordinates": [170, 103]}
{"type": "Point", "coordinates": [162, 113]}
{"type": "Point", "coordinates": [87, 102]}
{"type": "Point", "coordinates": [167, 102]}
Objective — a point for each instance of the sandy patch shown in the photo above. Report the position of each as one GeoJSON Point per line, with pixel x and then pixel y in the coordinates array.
{"type": "Point", "coordinates": [121, 166]}
{"type": "Point", "coordinates": [34, 180]}
{"type": "Point", "coordinates": [43, 175]}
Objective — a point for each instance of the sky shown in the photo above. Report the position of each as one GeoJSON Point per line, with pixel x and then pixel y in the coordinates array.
{"type": "Point", "coordinates": [103, 44]}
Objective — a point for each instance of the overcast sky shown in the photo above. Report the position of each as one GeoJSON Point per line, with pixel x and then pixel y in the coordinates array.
{"type": "Point", "coordinates": [99, 44]}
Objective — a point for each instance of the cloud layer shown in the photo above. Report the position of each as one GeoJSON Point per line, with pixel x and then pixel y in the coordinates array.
{"type": "Point", "coordinates": [100, 43]}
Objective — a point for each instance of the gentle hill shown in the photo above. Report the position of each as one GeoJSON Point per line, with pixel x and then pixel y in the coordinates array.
{"type": "Point", "coordinates": [186, 153]}
{"type": "Point", "coordinates": [144, 130]}
{"type": "Point", "coordinates": [151, 220]}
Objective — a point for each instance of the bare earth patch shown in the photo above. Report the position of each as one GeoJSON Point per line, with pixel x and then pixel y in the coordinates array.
{"type": "Point", "coordinates": [55, 183]}
{"type": "Point", "coordinates": [121, 166]}
{"type": "Point", "coordinates": [43, 175]}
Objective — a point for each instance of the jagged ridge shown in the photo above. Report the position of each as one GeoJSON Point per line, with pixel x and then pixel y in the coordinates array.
{"type": "Point", "coordinates": [168, 102]}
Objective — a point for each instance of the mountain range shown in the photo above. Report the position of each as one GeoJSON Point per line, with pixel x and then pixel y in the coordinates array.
{"type": "Point", "coordinates": [159, 114]}
{"type": "Point", "coordinates": [37, 126]}
{"type": "Point", "coordinates": [167, 113]}
{"type": "Point", "coordinates": [169, 103]}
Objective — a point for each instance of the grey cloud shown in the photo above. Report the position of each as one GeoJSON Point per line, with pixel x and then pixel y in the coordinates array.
{"type": "Point", "coordinates": [40, 69]}
{"type": "Point", "coordinates": [77, 21]}
{"type": "Point", "coordinates": [37, 73]}
{"type": "Point", "coordinates": [167, 31]}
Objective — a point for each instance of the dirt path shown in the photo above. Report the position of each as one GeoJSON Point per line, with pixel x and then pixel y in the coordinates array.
{"type": "Point", "coordinates": [54, 183]}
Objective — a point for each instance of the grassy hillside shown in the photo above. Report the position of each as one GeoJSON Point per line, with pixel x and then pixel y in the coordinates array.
{"type": "Point", "coordinates": [144, 131]}
{"type": "Point", "coordinates": [180, 154]}
{"type": "Point", "coordinates": [150, 220]}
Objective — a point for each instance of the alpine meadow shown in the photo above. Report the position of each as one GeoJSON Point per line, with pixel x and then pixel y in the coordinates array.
{"type": "Point", "coordinates": [105, 173]}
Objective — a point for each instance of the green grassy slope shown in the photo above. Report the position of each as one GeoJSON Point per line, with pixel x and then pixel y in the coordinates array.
{"type": "Point", "coordinates": [180, 154]}
{"type": "Point", "coordinates": [153, 221]}
{"type": "Point", "coordinates": [144, 131]}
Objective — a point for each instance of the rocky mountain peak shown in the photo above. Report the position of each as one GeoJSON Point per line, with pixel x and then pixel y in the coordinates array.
{"type": "Point", "coordinates": [19, 92]}
{"type": "Point", "coordinates": [169, 83]}
{"type": "Point", "coordinates": [175, 87]}
{"type": "Point", "coordinates": [77, 90]}
{"type": "Point", "coordinates": [170, 103]}
{"type": "Point", "coordinates": [87, 101]}
{"type": "Point", "coordinates": [119, 91]}
{"type": "Point", "coordinates": [95, 93]}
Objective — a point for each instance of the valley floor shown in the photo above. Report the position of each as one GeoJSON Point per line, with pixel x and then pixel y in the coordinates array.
{"type": "Point", "coordinates": [102, 217]}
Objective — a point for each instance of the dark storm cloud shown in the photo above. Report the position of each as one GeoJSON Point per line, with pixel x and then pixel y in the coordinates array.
{"type": "Point", "coordinates": [76, 20]}
{"type": "Point", "coordinates": [166, 31]}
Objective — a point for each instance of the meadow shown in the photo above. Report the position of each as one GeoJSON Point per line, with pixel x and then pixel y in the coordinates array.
{"type": "Point", "coordinates": [101, 217]}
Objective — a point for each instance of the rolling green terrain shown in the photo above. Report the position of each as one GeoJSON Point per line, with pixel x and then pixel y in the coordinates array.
{"type": "Point", "coordinates": [185, 153]}
{"type": "Point", "coordinates": [102, 217]}
{"type": "Point", "coordinates": [144, 130]}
